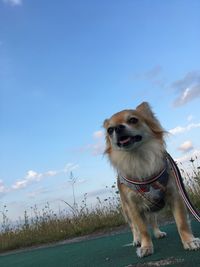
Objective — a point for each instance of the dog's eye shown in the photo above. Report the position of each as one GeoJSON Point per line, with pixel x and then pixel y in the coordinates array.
{"type": "Point", "coordinates": [110, 130]}
{"type": "Point", "coordinates": [133, 120]}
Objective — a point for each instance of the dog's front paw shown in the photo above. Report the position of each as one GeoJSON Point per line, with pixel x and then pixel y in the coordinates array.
{"type": "Point", "coordinates": [194, 244]}
{"type": "Point", "coordinates": [159, 234]}
{"type": "Point", "coordinates": [144, 251]}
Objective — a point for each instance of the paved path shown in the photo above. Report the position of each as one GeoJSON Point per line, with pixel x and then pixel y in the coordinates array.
{"type": "Point", "coordinates": [108, 251]}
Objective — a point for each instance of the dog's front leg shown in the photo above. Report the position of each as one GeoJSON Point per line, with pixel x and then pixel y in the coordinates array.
{"type": "Point", "coordinates": [136, 234]}
{"type": "Point", "coordinates": [137, 221]}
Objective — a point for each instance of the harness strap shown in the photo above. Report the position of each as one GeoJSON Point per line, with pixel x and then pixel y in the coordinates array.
{"type": "Point", "coordinates": [152, 189]}
{"type": "Point", "coordinates": [148, 181]}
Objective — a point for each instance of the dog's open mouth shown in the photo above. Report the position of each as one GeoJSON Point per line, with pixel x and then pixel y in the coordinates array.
{"type": "Point", "coordinates": [124, 141]}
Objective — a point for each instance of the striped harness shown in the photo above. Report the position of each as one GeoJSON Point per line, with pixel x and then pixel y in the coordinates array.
{"type": "Point", "coordinates": [152, 189]}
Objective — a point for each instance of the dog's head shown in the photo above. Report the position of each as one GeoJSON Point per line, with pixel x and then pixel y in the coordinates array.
{"type": "Point", "coordinates": [129, 129]}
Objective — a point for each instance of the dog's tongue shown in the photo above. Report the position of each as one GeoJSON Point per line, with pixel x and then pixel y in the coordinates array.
{"type": "Point", "coordinates": [124, 141]}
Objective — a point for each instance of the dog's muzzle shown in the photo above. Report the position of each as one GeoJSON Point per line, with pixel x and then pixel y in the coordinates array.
{"type": "Point", "coordinates": [125, 140]}
{"type": "Point", "coordinates": [124, 137]}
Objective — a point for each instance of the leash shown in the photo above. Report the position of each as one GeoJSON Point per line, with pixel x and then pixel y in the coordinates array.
{"type": "Point", "coordinates": [181, 186]}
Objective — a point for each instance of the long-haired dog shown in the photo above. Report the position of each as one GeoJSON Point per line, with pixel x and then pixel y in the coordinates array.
{"type": "Point", "coordinates": [136, 149]}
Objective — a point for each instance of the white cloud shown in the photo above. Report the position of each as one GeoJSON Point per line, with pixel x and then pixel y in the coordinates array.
{"type": "Point", "coordinates": [187, 95]}
{"type": "Point", "coordinates": [188, 156]}
{"type": "Point", "coordinates": [98, 146]}
{"type": "Point", "coordinates": [186, 146]}
{"type": "Point", "coordinates": [51, 173]}
{"type": "Point", "coordinates": [30, 177]}
{"type": "Point", "coordinates": [188, 88]}
{"type": "Point", "coordinates": [69, 167]}
{"type": "Point", "coordinates": [34, 177]}
{"type": "Point", "coordinates": [154, 76]}
{"type": "Point", "coordinates": [3, 189]}
{"type": "Point", "coordinates": [153, 73]}
{"type": "Point", "coordinates": [20, 184]}
{"type": "Point", "coordinates": [94, 149]}
{"type": "Point", "coordinates": [98, 134]}
{"type": "Point", "coordinates": [192, 77]}
{"type": "Point", "coordinates": [177, 130]}
{"type": "Point", "coordinates": [13, 2]}
{"type": "Point", "coordinates": [180, 129]}
{"type": "Point", "coordinates": [98, 149]}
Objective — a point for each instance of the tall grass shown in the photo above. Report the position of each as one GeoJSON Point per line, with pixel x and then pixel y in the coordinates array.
{"type": "Point", "coordinates": [192, 180]}
{"type": "Point", "coordinates": [46, 226]}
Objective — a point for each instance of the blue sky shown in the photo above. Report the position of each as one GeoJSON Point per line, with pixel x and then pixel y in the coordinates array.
{"type": "Point", "coordinates": [65, 66]}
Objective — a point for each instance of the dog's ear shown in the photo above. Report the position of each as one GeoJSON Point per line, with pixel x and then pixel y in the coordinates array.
{"type": "Point", "coordinates": [108, 144]}
{"type": "Point", "coordinates": [105, 123]}
{"type": "Point", "coordinates": [150, 118]}
{"type": "Point", "coordinates": [145, 109]}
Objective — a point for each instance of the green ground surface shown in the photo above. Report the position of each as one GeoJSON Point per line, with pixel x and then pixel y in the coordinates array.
{"type": "Point", "coordinates": [108, 251]}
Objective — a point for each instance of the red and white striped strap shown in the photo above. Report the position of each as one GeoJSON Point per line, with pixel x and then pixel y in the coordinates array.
{"type": "Point", "coordinates": [148, 181]}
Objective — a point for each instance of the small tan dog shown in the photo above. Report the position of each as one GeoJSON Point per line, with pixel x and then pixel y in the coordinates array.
{"type": "Point", "coordinates": [135, 147]}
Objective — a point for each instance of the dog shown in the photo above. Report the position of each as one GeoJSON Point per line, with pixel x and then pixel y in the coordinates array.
{"type": "Point", "coordinates": [136, 149]}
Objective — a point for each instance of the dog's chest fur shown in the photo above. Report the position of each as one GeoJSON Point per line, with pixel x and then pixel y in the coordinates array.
{"type": "Point", "coordinates": [144, 162]}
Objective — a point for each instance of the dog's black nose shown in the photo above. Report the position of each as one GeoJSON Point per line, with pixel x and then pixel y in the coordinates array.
{"type": "Point", "coordinates": [119, 128]}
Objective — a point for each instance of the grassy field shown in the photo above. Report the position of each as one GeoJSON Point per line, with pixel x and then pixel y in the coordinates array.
{"type": "Point", "coordinates": [46, 226]}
